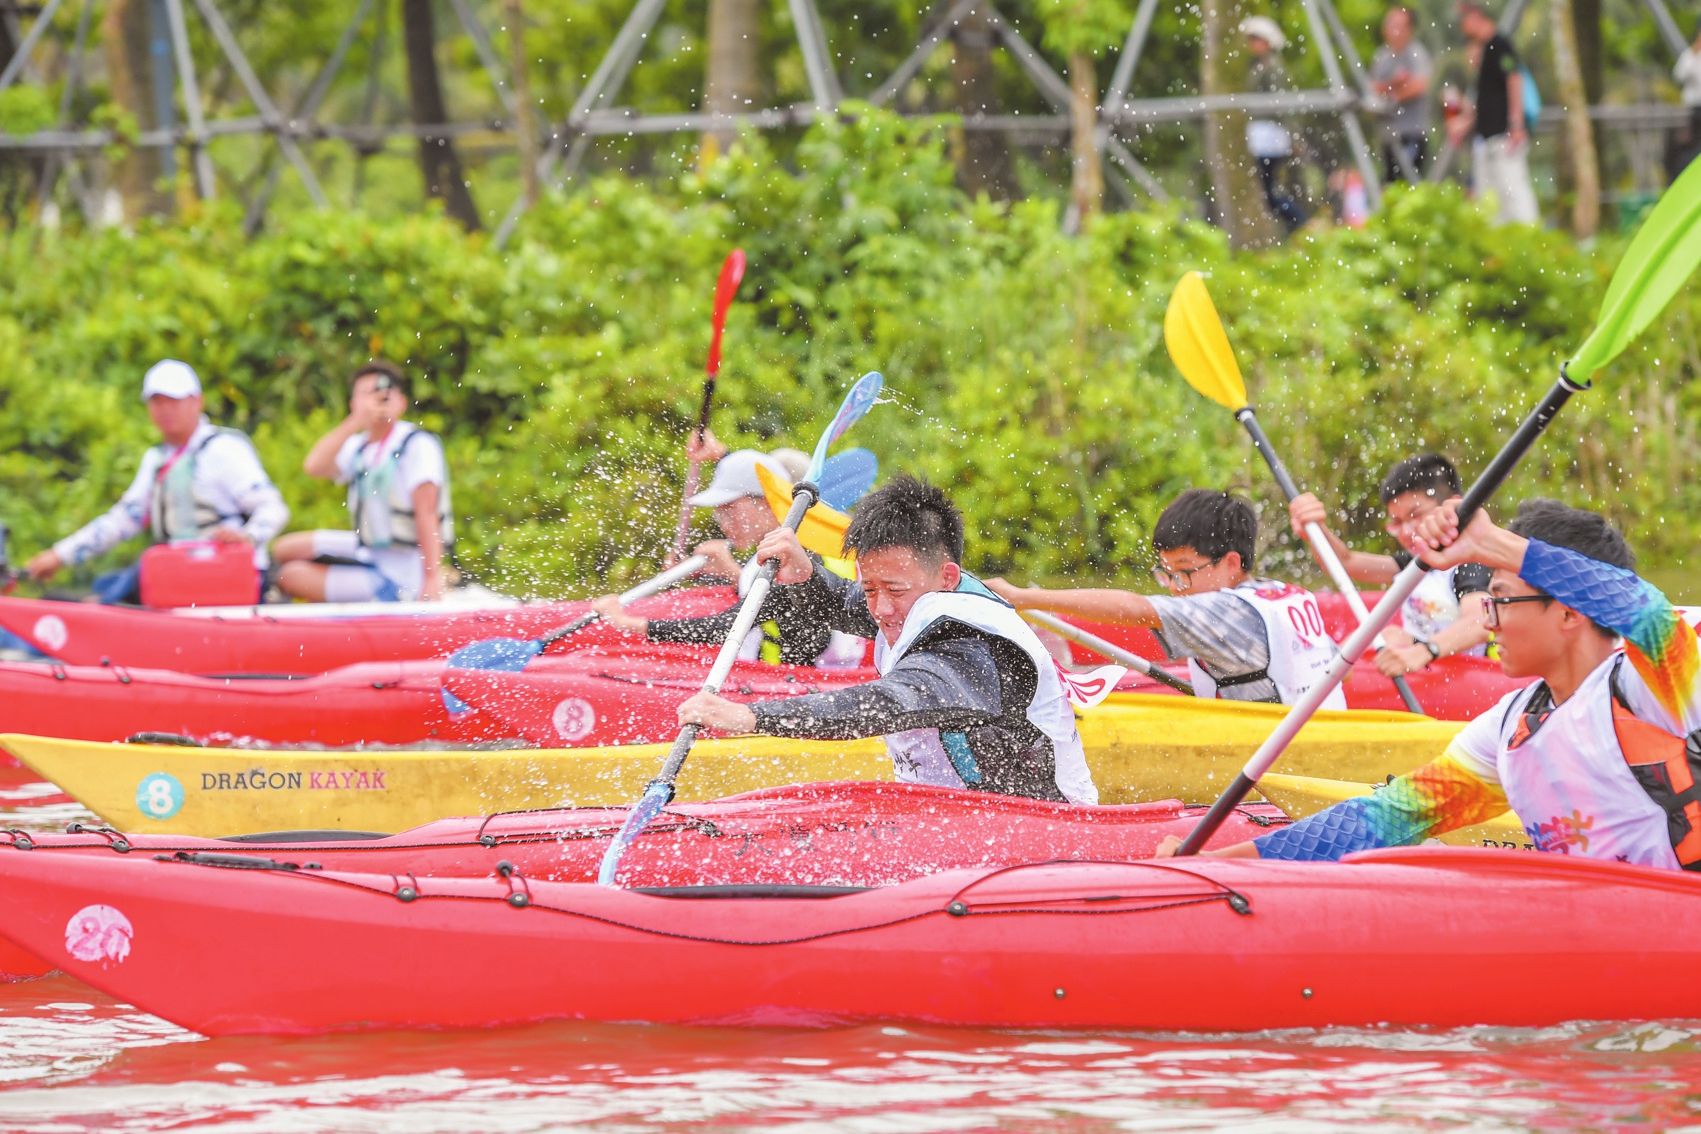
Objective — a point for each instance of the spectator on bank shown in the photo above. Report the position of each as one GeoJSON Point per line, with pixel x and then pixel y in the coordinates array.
{"type": "Point", "coordinates": [1268, 140]}
{"type": "Point", "coordinates": [1494, 120]}
{"type": "Point", "coordinates": [1685, 142]}
{"type": "Point", "coordinates": [1401, 73]}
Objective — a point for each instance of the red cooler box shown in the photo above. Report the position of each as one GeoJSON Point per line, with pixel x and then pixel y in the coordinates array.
{"type": "Point", "coordinates": [199, 573]}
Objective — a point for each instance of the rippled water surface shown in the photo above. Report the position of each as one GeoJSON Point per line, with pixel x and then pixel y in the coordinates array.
{"type": "Point", "coordinates": [73, 1059]}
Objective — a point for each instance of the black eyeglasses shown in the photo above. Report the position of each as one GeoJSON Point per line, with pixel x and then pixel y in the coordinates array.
{"type": "Point", "coordinates": [1491, 606]}
{"type": "Point", "coordinates": [1179, 578]}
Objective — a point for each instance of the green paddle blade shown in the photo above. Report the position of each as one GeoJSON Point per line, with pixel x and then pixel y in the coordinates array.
{"type": "Point", "coordinates": [1663, 255]}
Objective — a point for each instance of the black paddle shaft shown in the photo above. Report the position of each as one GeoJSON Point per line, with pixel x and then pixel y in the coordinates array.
{"type": "Point", "coordinates": [1475, 497]}
{"type": "Point", "coordinates": [1291, 490]}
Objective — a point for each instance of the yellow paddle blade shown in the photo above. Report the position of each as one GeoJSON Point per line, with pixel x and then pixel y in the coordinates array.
{"type": "Point", "coordinates": [1198, 346]}
{"type": "Point", "coordinates": [823, 527]}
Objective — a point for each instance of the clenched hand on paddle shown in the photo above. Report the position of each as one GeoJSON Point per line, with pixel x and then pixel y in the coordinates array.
{"type": "Point", "coordinates": [804, 493]}
{"type": "Point", "coordinates": [1662, 257]}
{"type": "Point", "coordinates": [1200, 350]}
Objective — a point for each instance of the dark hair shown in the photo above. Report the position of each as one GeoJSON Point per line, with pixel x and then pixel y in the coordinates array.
{"type": "Point", "coordinates": [906, 512]}
{"type": "Point", "coordinates": [379, 366]}
{"type": "Point", "coordinates": [1586, 533]}
{"type": "Point", "coordinates": [1210, 522]}
{"type": "Point", "coordinates": [1430, 473]}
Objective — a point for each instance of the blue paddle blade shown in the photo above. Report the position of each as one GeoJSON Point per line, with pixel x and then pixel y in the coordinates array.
{"type": "Point", "coordinates": [846, 477]}
{"type": "Point", "coordinates": [858, 402]}
{"type": "Point", "coordinates": [502, 655]}
{"type": "Point", "coordinates": [655, 798]}
{"type": "Point", "coordinates": [454, 704]}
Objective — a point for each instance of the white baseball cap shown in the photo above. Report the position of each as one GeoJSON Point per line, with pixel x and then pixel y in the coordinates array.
{"type": "Point", "coordinates": [1265, 29]}
{"type": "Point", "coordinates": [172, 378]}
{"type": "Point", "coordinates": [735, 477]}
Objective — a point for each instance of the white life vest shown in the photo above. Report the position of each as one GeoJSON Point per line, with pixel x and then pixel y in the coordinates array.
{"type": "Point", "coordinates": [178, 510]}
{"type": "Point", "coordinates": [1433, 607]}
{"type": "Point", "coordinates": [1571, 783]}
{"type": "Point", "coordinates": [382, 512]}
{"type": "Point", "coordinates": [925, 756]}
{"type": "Point", "coordinates": [1300, 648]}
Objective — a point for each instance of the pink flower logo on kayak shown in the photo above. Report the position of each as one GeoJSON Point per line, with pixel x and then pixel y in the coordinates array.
{"type": "Point", "coordinates": [98, 934]}
{"type": "Point", "coordinates": [574, 719]}
{"type": "Point", "coordinates": [50, 631]}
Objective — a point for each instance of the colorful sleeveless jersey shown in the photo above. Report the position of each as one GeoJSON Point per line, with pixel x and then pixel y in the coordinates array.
{"type": "Point", "coordinates": [1601, 775]}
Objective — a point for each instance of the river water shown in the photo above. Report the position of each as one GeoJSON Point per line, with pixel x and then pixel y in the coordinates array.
{"type": "Point", "coordinates": [74, 1059]}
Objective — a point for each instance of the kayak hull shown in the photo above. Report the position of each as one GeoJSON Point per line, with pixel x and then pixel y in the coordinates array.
{"type": "Point", "coordinates": [262, 641]}
{"type": "Point", "coordinates": [1393, 938]}
{"type": "Point", "coordinates": [1139, 748]}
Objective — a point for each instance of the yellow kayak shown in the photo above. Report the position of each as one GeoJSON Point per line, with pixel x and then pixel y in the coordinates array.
{"type": "Point", "coordinates": [1139, 747]}
{"type": "Point", "coordinates": [1300, 796]}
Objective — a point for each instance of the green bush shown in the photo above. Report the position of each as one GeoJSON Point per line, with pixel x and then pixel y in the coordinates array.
{"type": "Point", "coordinates": [1027, 369]}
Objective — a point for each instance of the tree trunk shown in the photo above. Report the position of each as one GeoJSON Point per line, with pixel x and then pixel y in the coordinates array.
{"type": "Point", "coordinates": [984, 164]}
{"type": "Point", "coordinates": [1586, 18]}
{"type": "Point", "coordinates": [1579, 133]}
{"type": "Point", "coordinates": [525, 119]}
{"type": "Point", "coordinates": [1237, 201]}
{"type": "Point", "coordinates": [438, 162]}
{"type": "Point", "coordinates": [127, 32]}
{"type": "Point", "coordinates": [1086, 187]}
{"type": "Point", "coordinates": [732, 79]}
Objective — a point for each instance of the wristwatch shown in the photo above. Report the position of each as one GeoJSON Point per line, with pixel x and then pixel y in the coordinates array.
{"type": "Point", "coordinates": [1434, 650]}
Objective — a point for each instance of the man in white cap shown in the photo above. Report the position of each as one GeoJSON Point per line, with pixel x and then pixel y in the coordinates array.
{"type": "Point", "coordinates": [783, 634]}
{"type": "Point", "coordinates": [202, 482]}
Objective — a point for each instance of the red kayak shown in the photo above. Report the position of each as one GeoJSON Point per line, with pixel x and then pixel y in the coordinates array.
{"type": "Point", "coordinates": [296, 639]}
{"type": "Point", "coordinates": [864, 834]}
{"type": "Point", "coordinates": [572, 700]}
{"type": "Point", "coordinates": [1440, 937]}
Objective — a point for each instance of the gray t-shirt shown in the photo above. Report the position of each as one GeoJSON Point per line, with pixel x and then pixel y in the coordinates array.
{"type": "Point", "coordinates": [1410, 118]}
{"type": "Point", "coordinates": [1224, 634]}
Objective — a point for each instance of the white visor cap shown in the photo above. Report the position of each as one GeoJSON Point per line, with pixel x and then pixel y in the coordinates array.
{"type": "Point", "coordinates": [735, 478]}
{"type": "Point", "coordinates": [1265, 29]}
{"type": "Point", "coordinates": [172, 378]}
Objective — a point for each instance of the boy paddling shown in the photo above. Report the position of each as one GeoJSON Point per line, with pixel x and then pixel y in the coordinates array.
{"type": "Point", "coordinates": [1244, 638]}
{"type": "Point", "coordinates": [1444, 615]}
{"type": "Point", "coordinates": [1599, 758]}
{"type": "Point", "coordinates": [967, 695]}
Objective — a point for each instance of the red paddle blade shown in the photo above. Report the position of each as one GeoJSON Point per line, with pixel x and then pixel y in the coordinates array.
{"type": "Point", "coordinates": [732, 274]}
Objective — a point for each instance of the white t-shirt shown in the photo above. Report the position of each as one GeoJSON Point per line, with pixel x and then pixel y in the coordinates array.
{"type": "Point", "coordinates": [420, 463]}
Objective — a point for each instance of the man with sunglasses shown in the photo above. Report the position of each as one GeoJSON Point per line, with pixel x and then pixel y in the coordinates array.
{"type": "Point", "coordinates": [1244, 638]}
{"type": "Point", "coordinates": [1444, 615]}
{"type": "Point", "coordinates": [1599, 758]}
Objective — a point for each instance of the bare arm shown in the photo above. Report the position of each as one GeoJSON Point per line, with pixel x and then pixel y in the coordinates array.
{"type": "Point", "coordinates": [1125, 608]}
{"type": "Point", "coordinates": [321, 461]}
{"type": "Point", "coordinates": [430, 540]}
{"type": "Point", "coordinates": [1363, 566]}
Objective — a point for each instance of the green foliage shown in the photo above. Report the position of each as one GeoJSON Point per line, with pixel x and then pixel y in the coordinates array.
{"type": "Point", "coordinates": [24, 109]}
{"type": "Point", "coordinates": [1028, 368]}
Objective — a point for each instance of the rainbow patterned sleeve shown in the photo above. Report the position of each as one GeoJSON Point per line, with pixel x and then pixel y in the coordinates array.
{"type": "Point", "coordinates": [1657, 641]}
{"type": "Point", "coordinates": [1443, 795]}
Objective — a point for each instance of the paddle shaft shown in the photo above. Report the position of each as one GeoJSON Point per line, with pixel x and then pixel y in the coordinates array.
{"type": "Point", "coordinates": [1319, 540]}
{"type": "Point", "coordinates": [1109, 649]}
{"type": "Point", "coordinates": [651, 586]}
{"type": "Point", "coordinates": [694, 473]}
{"type": "Point", "coordinates": [660, 790]}
{"type": "Point", "coordinates": [1359, 640]}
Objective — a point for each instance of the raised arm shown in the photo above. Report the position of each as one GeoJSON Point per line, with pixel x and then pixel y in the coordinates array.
{"type": "Point", "coordinates": [1361, 566]}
